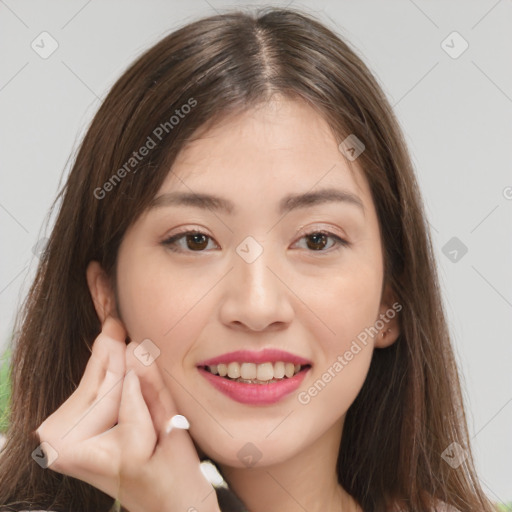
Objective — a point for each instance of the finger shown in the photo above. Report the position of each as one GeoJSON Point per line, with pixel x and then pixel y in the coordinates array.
{"type": "Point", "coordinates": [135, 419]}
{"type": "Point", "coordinates": [104, 410]}
{"type": "Point", "coordinates": [94, 405]}
{"type": "Point", "coordinates": [114, 328]}
{"type": "Point", "coordinates": [106, 352]}
{"type": "Point", "coordinates": [175, 454]}
{"type": "Point", "coordinates": [154, 390]}
{"type": "Point", "coordinates": [120, 451]}
{"type": "Point", "coordinates": [177, 444]}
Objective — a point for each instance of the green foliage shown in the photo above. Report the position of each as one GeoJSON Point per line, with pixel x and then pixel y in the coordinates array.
{"type": "Point", "coordinates": [5, 389]}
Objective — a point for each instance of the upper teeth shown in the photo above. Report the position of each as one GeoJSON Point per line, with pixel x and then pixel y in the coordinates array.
{"type": "Point", "coordinates": [263, 372]}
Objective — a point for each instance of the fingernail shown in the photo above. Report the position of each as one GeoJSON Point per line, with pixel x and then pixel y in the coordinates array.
{"type": "Point", "coordinates": [177, 421]}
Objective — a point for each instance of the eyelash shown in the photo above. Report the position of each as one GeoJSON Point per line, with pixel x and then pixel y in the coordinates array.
{"type": "Point", "coordinates": [340, 242]}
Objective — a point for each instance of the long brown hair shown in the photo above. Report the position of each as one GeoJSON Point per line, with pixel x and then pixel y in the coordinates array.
{"type": "Point", "coordinates": [410, 408]}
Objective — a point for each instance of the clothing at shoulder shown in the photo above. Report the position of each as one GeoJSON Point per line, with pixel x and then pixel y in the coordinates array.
{"type": "Point", "coordinates": [228, 500]}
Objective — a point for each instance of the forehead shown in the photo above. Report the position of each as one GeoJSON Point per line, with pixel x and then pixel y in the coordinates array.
{"type": "Point", "coordinates": [278, 147]}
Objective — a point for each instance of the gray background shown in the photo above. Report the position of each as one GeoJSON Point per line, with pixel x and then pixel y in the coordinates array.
{"type": "Point", "coordinates": [456, 114]}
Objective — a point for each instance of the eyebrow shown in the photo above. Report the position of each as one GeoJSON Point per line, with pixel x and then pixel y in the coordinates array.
{"type": "Point", "coordinates": [287, 204]}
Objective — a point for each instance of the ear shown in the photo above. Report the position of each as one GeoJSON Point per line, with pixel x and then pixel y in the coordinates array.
{"type": "Point", "coordinates": [101, 291]}
{"type": "Point", "coordinates": [388, 321]}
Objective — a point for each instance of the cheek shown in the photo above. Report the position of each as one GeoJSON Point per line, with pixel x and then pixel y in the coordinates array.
{"type": "Point", "coordinates": [170, 307]}
{"type": "Point", "coordinates": [346, 307]}
{"type": "Point", "coordinates": [356, 306]}
{"type": "Point", "coordinates": [350, 309]}
{"type": "Point", "coordinates": [345, 301]}
{"type": "Point", "coordinates": [158, 304]}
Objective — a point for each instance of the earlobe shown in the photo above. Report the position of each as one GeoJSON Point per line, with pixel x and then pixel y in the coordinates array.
{"type": "Point", "coordinates": [101, 292]}
{"type": "Point", "coordinates": [386, 337]}
{"type": "Point", "coordinates": [388, 321]}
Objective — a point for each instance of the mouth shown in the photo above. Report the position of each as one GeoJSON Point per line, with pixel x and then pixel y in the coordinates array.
{"type": "Point", "coordinates": [251, 373]}
{"type": "Point", "coordinates": [255, 377]}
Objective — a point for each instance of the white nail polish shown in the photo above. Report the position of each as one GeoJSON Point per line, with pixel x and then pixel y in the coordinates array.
{"type": "Point", "coordinates": [177, 421]}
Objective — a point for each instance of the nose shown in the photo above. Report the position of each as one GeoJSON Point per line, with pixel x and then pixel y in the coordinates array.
{"type": "Point", "coordinates": [256, 296]}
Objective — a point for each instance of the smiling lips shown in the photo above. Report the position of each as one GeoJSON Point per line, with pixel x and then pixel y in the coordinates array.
{"type": "Point", "coordinates": [258, 378]}
{"type": "Point", "coordinates": [262, 366]}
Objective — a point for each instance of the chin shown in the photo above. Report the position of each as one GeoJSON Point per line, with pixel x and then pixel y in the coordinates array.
{"type": "Point", "coordinates": [246, 454]}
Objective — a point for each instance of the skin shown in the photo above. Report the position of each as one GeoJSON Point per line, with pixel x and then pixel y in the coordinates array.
{"type": "Point", "coordinates": [203, 299]}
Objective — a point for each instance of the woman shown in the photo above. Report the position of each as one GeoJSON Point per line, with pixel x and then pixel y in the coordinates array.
{"type": "Point", "coordinates": [245, 186]}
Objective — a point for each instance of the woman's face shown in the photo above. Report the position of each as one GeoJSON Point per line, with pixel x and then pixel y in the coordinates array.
{"type": "Point", "coordinates": [252, 280]}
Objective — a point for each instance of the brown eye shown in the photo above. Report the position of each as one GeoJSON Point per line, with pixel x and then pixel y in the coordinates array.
{"type": "Point", "coordinates": [195, 242]}
{"type": "Point", "coordinates": [316, 241]}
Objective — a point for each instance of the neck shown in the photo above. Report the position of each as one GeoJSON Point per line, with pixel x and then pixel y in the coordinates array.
{"type": "Point", "coordinates": [306, 481]}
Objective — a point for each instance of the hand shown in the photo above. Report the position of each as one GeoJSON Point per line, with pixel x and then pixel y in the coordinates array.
{"type": "Point", "coordinates": [110, 433]}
